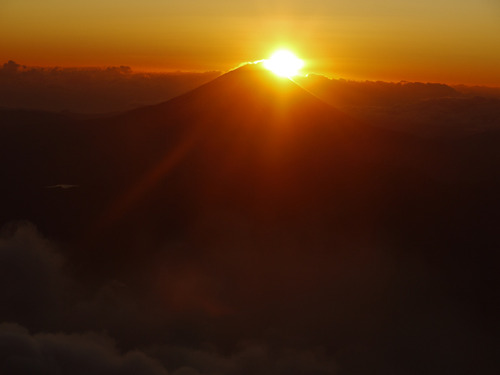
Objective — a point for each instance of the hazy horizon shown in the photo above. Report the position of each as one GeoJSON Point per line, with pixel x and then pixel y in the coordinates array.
{"type": "Point", "coordinates": [304, 72]}
{"type": "Point", "coordinates": [430, 40]}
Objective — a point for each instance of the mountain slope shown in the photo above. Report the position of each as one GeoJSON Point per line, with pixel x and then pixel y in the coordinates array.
{"type": "Point", "coordinates": [247, 209]}
{"type": "Point", "coordinates": [247, 143]}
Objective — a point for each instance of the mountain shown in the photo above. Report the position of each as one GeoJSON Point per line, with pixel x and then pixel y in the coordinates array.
{"type": "Point", "coordinates": [428, 110]}
{"type": "Point", "coordinates": [247, 143]}
{"type": "Point", "coordinates": [250, 199]}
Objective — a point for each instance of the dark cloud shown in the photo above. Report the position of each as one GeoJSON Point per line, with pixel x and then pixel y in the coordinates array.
{"type": "Point", "coordinates": [248, 359]}
{"type": "Point", "coordinates": [365, 323]}
{"type": "Point", "coordinates": [90, 90]}
{"type": "Point", "coordinates": [489, 92]}
{"type": "Point", "coordinates": [344, 93]}
{"type": "Point", "coordinates": [61, 186]}
{"type": "Point", "coordinates": [10, 67]}
{"type": "Point", "coordinates": [59, 353]}
{"type": "Point", "coordinates": [32, 284]}
{"type": "Point", "coordinates": [437, 117]}
{"type": "Point", "coordinates": [22, 352]}
{"type": "Point", "coordinates": [36, 292]}
{"type": "Point", "coordinates": [424, 109]}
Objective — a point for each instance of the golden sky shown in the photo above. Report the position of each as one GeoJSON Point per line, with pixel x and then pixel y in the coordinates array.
{"type": "Point", "coordinates": [452, 41]}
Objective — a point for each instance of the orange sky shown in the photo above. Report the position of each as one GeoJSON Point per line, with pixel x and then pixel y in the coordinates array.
{"type": "Point", "coordinates": [452, 41]}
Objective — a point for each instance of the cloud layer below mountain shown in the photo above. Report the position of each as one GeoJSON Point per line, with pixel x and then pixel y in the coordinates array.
{"type": "Point", "coordinates": [90, 90]}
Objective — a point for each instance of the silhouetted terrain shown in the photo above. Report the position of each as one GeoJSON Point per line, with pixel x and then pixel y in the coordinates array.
{"type": "Point", "coordinates": [489, 92]}
{"type": "Point", "coordinates": [358, 93]}
{"type": "Point", "coordinates": [90, 90]}
{"type": "Point", "coordinates": [423, 109]}
{"type": "Point", "coordinates": [249, 227]}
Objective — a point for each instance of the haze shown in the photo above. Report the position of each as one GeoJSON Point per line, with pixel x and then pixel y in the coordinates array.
{"type": "Point", "coordinates": [430, 41]}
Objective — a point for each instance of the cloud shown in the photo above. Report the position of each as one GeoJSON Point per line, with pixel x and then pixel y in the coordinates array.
{"type": "Point", "coordinates": [439, 117]}
{"type": "Point", "coordinates": [40, 297]}
{"type": "Point", "coordinates": [185, 371]}
{"type": "Point", "coordinates": [10, 67]}
{"type": "Point", "coordinates": [37, 291]}
{"type": "Point", "coordinates": [249, 359]}
{"type": "Point", "coordinates": [340, 323]}
{"type": "Point", "coordinates": [424, 109]}
{"type": "Point", "coordinates": [61, 186]}
{"type": "Point", "coordinates": [49, 353]}
{"type": "Point", "coordinates": [32, 282]}
{"type": "Point", "coordinates": [41, 302]}
{"type": "Point", "coordinates": [22, 352]}
{"type": "Point", "coordinates": [91, 90]}
{"type": "Point", "coordinates": [488, 92]}
{"type": "Point", "coordinates": [344, 93]}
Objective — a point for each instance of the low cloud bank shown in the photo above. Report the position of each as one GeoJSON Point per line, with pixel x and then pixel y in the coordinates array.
{"type": "Point", "coordinates": [22, 352]}
{"type": "Point", "coordinates": [51, 326]}
{"type": "Point", "coordinates": [60, 353]}
{"type": "Point", "coordinates": [91, 90]}
{"type": "Point", "coordinates": [423, 109]}
{"type": "Point", "coordinates": [54, 324]}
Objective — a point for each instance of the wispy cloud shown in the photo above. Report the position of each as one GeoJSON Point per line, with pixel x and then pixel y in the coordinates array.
{"type": "Point", "coordinates": [62, 186]}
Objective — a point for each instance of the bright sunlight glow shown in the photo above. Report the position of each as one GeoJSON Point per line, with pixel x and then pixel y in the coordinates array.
{"type": "Point", "coordinates": [284, 63]}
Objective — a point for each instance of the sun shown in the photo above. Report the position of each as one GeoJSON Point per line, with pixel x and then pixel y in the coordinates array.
{"type": "Point", "coordinates": [284, 64]}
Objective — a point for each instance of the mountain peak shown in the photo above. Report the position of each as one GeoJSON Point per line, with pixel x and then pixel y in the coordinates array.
{"type": "Point", "coordinates": [256, 70]}
{"type": "Point", "coordinates": [254, 78]}
{"type": "Point", "coordinates": [248, 90]}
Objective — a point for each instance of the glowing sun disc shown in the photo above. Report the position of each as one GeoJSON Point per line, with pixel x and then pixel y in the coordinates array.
{"type": "Point", "coordinates": [284, 64]}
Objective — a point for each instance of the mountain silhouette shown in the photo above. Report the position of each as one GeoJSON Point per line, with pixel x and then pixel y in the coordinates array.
{"type": "Point", "coordinates": [255, 144]}
{"type": "Point", "coordinates": [278, 212]}
{"type": "Point", "coordinates": [248, 144]}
